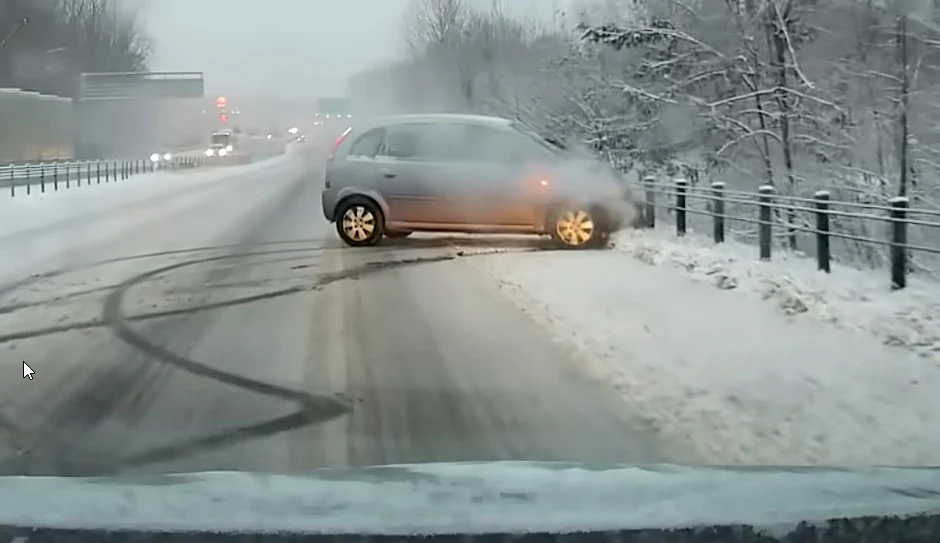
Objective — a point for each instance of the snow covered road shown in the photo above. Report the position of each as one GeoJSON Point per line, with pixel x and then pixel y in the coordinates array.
{"type": "Point", "coordinates": [212, 321]}
{"type": "Point", "coordinates": [742, 361]}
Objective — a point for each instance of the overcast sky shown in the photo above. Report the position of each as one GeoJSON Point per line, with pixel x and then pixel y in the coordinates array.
{"type": "Point", "coordinates": [285, 48]}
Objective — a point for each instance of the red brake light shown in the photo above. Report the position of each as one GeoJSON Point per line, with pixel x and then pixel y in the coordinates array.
{"type": "Point", "coordinates": [339, 140]}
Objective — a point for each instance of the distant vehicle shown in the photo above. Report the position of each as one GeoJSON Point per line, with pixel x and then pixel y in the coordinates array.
{"type": "Point", "coordinates": [163, 155]}
{"type": "Point", "coordinates": [222, 144]}
{"type": "Point", "coordinates": [465, 173]}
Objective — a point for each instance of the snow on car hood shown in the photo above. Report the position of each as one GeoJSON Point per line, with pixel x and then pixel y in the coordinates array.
{"type": "Point", "coordinates": [468, 498]}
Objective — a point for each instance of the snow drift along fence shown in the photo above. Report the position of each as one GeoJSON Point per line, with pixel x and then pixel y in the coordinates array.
{"type": "Point", "coordinates": [893, 235]}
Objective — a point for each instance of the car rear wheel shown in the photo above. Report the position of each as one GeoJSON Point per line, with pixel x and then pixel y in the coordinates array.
{"type": "Point", "coordinates": [577, 228]}
{"type": "Point", "coordinates": [360, 222]}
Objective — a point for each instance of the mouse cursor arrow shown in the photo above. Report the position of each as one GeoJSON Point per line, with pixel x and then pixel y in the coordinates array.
{"type": "Point", "coordinates": [27, 371]}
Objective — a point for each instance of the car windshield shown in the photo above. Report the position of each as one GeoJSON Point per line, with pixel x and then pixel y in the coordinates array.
{"type": "Point", "coordinates": [380, 233]}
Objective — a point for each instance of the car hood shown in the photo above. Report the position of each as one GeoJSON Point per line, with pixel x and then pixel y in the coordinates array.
{"type": "Point", "coordinates": [468, 498]}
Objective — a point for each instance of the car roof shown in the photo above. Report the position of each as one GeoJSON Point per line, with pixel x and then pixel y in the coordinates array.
{"type": "Point", "coordinates": [485, 120]}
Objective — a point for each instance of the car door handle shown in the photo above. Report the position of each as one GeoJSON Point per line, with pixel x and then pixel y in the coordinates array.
{"type": "Point", "coordinates": [388, 174]}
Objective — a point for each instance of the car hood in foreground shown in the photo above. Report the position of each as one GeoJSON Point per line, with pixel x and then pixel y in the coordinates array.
{"type": "Point", "coordinates": [468, 498]}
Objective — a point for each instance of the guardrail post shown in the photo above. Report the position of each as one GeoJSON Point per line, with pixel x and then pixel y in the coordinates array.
{"type": "Point", "coordinates": [823, 255]}
{"type": "Point", "coordinates": [718, 211]}
{"type": "Point", "coordinates": [68, 175]}
{"type": "Point", "coordinates": [98, 171]}
{"type": "Point", "coordinates": [42, 178]}
{"type": "Point", "coordinates": [899, 207]}
{"type": "Point", "coordinates": [12, 182]}
{"type": "Point", "coordinates": [649, 210]}
{"type": "Point", "coordinates": [55, 175]}
{"type": "Point", "coordinates": [682, 192]}
{"type": "Point", "coordinates": [765, 198]}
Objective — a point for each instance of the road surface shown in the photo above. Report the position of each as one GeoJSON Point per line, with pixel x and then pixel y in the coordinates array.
{"type": "Point", "coordinates": [231, 330]}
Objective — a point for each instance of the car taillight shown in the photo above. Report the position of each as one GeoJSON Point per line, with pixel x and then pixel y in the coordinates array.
{"type": "Point", "coordinates": [339, 141]}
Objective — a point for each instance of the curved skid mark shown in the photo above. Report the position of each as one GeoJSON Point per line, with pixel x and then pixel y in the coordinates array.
{"type": "Point", "coordinates": [114, 318]}
{"type": "Point", "coordinates": [26, 281]}
{"type": "Point", "coordinates": [97, 323]}
{"type": "Point", "coordinates": [12, 308]}
{"type": "Point", "coordinates": [271, 427]}
{"type": "Point", "coordinates": [324, 281]}
{"type": "Point", "coordinates": [313, 409]}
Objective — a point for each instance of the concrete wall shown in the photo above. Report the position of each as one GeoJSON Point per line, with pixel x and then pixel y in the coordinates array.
{"type": "Point", "coordinates": [34, 127]}
{"type": "Point", "coordinates": [137, 127]}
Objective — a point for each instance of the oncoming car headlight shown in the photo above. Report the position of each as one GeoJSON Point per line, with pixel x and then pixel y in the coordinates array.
{"type": "Point", "coordinates": [223, 152]}
{"type": "Point", "coordinates": [155, 157]}
{"type": "Point", "coordinates": [210, 152]}
{"type": "Point", "coordinates": [167, 156]}
{"type": "Point", "coordinates": [229, 148]}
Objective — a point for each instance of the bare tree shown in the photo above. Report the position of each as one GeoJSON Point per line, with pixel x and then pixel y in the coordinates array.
{"type": "Point", "coordinates": [62, 38]}
{"type": "Point", "coordinates": [434, 23]}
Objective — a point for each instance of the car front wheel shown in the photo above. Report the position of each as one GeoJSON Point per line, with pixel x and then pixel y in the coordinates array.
{"type": "Point", "coordinates": [577, 228]}
{"type": "Point", "coordinates": [360, 223]}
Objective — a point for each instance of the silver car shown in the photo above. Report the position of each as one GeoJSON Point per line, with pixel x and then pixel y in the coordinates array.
{"type": "Point", "coordinates": [471, 174]}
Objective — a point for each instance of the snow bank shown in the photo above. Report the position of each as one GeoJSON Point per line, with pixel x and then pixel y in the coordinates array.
{"type": "Point", "coordinates": [850, 298]}
{"type": "Point", "coordinates": [747, 362]}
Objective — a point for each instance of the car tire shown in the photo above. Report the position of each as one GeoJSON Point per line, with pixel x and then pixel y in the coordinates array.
{"type": "Point", "coordinates": [360, 222]}
{"type": "Point", "coordinates": [578, 227]}
{"type": "Point", "coordinates": [397, 234]}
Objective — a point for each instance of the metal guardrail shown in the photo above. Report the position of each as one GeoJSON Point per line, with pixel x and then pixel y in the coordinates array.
{"type": "Point", "coordinates": [41, 177]}
{"type": "Point", "coordinates": [781, 216]}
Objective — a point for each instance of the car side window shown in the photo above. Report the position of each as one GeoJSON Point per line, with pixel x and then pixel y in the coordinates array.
{"type": "Point", "coordinates": [489, 144]}
{"type": "Point", "coordinates": [368, 144]}
{"type": "Point", "coordinates": [438, 142]}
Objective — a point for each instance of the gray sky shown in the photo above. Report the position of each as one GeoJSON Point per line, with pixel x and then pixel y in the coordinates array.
{"type": "Point", "coordinates": [285, 48]}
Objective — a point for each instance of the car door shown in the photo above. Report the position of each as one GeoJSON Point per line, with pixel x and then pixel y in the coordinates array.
{"type": "Point", "coordinates": [504, 171]}
{"type": "Point", "coordinates": [416, 173]}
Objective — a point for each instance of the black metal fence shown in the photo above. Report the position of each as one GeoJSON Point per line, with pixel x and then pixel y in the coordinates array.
{"type": "Point", "coordinates": [41, 177]}
{"type": "Point", "coordinates": [838, 230]}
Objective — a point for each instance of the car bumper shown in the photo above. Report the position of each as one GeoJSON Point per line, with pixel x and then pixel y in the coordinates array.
{"type": "Point", "coordinates": [621, 214]}
{"type": "Point", "coordinates": [328, 204]}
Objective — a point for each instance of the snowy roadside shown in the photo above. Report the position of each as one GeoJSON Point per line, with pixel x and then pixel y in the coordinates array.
{"type": "Point", "coordinates": [23, 212]}
{"type": "Point", "coordinates": [847, 297]}
{"type": "Point", "coordinates": [55, 230]}
{"type": "Point", "coordinates": [787, 367]}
